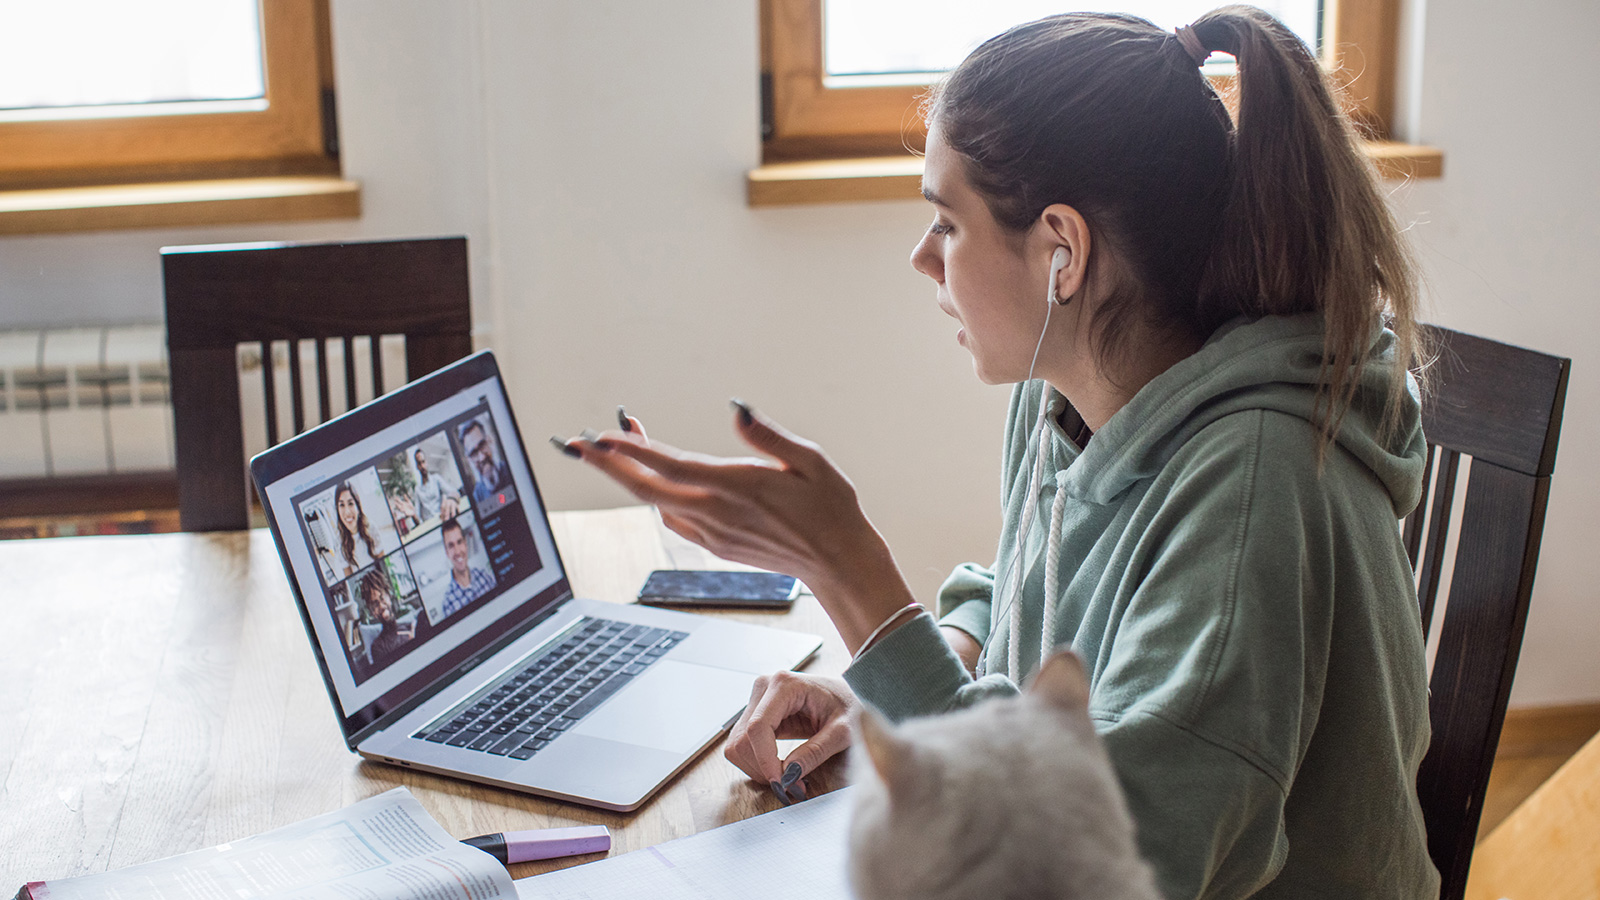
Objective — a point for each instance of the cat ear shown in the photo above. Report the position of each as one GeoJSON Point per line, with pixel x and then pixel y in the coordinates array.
{"type": "Point", "coordinates": [890, 755]}
{"type": "Point", "coordinates": [1061, 681]}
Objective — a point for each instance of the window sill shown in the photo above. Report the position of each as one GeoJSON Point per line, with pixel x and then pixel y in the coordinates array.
{"type": "Point", "coordinates": [169, 204]}
{"type": "Point", "coordinates": [900, 177]}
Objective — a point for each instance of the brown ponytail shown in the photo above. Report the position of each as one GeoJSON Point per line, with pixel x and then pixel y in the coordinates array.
{"type": "Point", "coordinates": [1305, 228]}
{"type": "Point", "coordinates": [1207, 221]}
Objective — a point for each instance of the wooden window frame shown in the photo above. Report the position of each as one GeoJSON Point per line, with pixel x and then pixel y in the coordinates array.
{"type": "Point", "coordinates": [806, 120]}
{"type": "Point", "coordinates": [292, 136]}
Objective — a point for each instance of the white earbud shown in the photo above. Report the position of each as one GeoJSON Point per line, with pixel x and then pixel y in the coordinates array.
{"type": "Point", "coordinates": [1058, 261]}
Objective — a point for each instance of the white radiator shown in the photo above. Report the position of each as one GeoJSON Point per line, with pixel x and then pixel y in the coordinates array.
{"type": "Point", "coordinates": [84, 401]}
{"type": "Point", "coordinates": [252, 393]}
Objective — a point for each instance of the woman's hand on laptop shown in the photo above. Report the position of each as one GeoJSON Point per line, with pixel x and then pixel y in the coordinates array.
{"type": "Point", "coordinates": [790, 510]}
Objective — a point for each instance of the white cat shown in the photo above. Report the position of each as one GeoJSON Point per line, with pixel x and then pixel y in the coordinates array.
{"type": "Point", "coordinates": [1013, 798]}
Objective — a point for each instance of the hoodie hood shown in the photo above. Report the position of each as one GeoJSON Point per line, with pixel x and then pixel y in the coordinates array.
{"type": "Point", "coordinates": [1271, 364]}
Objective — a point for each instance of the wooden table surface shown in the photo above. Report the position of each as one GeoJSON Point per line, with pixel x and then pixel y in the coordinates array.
{"type": "Point", "coordinates": [158, 695]}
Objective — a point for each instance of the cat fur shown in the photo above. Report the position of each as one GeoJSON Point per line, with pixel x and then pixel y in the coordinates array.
{"type": "Point", "coordinates": [1013, 799]}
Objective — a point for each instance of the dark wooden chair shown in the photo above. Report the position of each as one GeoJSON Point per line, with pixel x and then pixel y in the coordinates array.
{"type": "Point", "coordinates": [1501, 406]}
{"type": "Point", "coordinates": [223, 296]}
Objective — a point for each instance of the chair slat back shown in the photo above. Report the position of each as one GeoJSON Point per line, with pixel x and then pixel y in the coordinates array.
{"type": "Point", "coordinates": [1496, 402]}
{"type": "Point", "coordinates": [223, 296]}
{"type": "Point", "coordinates": [1501, 406]}
{"type": "Point", "coordinates": [1437, 543]}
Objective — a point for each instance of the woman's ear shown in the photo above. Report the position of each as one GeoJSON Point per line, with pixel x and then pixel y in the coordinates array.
{"type": "Point", "coordinates": [1063, 227]}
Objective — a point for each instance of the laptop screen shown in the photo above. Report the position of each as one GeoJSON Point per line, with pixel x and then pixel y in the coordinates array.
{"type": "Point", "coordinates": [414, 535]}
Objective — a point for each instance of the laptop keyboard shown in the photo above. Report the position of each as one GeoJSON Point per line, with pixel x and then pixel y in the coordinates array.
{"type": "Point", "coordinates": [522, 712]}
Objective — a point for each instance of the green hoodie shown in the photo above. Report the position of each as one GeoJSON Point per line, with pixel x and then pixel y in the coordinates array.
{"type": "Point", "coordinates": [1249, 623]}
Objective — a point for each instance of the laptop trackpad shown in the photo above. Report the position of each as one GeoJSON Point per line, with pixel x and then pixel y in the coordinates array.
{"type": "Point", "coordinates": [671, 706]}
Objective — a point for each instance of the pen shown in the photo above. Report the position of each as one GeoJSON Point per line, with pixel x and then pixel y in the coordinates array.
{"type": "Point", "coordinates": [543, 843]}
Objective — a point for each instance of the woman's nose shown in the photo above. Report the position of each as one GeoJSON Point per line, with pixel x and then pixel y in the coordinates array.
{"type": "Point", "coordinates": [926, 261]}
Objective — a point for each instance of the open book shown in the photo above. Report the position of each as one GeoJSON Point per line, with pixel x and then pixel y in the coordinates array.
{"type": "Point", "coordinates": [384, 847]}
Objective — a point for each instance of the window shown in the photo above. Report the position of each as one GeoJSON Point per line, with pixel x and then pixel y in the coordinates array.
{"type": "Point", "coordinates": [264, 110]}
{"type": "Point", "coordinates": [910, 38]}
{"type": "Point", "coordinates": [811, 114]}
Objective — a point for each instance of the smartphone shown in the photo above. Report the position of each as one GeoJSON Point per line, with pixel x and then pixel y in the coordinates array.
{"type": "Point", "coordinates": [689, 587]}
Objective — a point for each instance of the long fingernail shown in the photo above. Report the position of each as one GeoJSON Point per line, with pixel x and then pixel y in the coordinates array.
{"type": "Point", "coordinates": [797, 792]}
{"type": "Point", "coordinates": [622, 418]}
{"type": "Point", "coordinates": [777, 791]}
{"type": "Point", "coordinates": [791, 774]}
{"type": "Point", "coordinates": [588, 434]}
{"type": "Point", "coordinates": [743, 409]}
{"type": "Point", "coordinates": [562, 445]}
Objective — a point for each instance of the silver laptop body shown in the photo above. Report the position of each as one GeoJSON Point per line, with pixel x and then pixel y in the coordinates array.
{"type": "Point", "coordinates": [422, 560]}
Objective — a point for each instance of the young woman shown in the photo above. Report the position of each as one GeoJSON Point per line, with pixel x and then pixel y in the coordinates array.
{"type": "Point", "coordinates": [356, 542]}
{"type": "Point", "coordinates": [1211, 439]}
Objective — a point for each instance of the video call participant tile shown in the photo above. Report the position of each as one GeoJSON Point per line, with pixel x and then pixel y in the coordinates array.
{"type": "Point", "coordinates": [390, 610]}
{"type": "Point", "coordinates": [485, 464]}
{"type": "Point", "coordinates": [452, 567]}
{"type": "Point", "coordinates": [436, 490]}
{"type": "Point", "coordinates": [349, 525]}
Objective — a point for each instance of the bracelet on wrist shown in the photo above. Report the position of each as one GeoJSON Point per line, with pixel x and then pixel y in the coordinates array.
{"type": "Point", "coordinates": [883, 628]}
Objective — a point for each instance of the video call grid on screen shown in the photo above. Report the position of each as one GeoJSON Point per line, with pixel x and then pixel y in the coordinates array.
{"type": "Point", "coordinates": [392, 601]}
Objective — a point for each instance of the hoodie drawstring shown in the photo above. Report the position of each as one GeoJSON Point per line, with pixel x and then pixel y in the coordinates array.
{"type": "Point", "coordinates": [1018, 572]}
{"type": "Point", "coordinates": [1052, 574]}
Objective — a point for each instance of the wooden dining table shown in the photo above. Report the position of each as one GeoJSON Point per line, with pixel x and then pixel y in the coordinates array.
{"type": "Point", "coordinates": [158, 695]}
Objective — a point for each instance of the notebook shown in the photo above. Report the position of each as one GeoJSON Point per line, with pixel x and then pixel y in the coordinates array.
{"type": "Point", "coordinates": [798, 852]}
{"type": "Point", "coordinates": [438, 608]}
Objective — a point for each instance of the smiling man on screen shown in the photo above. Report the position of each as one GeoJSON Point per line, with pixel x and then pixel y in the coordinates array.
{"type": "Point", "coordinates": [466, 583]}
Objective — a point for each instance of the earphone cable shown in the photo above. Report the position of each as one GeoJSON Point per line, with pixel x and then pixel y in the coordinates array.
{"type": "Point", "coordinates": [1030, 508]}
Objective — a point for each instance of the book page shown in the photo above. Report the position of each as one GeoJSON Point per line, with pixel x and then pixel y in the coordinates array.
{"type": "Point", "coordinates": [384, 848]}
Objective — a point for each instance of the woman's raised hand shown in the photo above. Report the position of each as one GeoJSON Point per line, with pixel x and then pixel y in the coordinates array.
{"type": "Point", "coordinates": [790, 511]}
{"type": "Point", "coordinates": [794, 513]}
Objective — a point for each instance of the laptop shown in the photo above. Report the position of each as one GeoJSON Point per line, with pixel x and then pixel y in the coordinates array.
{"type": "Point", "coordinates": [440, 613]}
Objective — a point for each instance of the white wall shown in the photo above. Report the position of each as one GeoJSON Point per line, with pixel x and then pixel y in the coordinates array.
{"type": "Point", "coordinates": [1509, 240]}
{"type": "Point", "coordinates": [631, 271]}
{"type": "Point", "coordinates": [594, 154]}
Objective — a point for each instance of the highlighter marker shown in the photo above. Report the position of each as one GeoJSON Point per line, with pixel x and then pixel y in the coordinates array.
{"type": "Point", "coordinates": [544, 843]}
